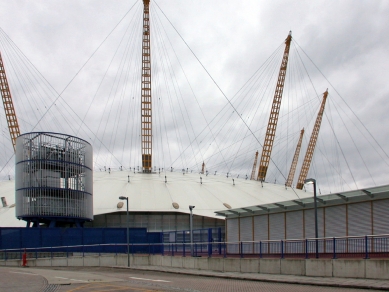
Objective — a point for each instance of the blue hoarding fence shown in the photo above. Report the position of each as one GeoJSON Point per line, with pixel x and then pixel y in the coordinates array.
{"type": "Point", "coordinates": [370, 246]}
{"type": "Point", "coordinates": [13, 238]}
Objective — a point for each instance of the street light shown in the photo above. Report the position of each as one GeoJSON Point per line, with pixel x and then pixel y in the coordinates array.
{"type": "Point", "coordinates": [312, 180]}
{"type": "Point", "coordinates": [128, 232]}
{"type": "Point", "coordinates": [191, 229]}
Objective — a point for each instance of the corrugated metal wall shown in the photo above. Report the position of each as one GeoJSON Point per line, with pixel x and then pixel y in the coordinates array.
{"type": "Point", "coordinates": [356, 219]}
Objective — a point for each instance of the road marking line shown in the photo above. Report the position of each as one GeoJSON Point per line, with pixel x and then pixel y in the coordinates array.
{"type": "Point", "coordinates": [145, 279]}
{"type": "Point", "coordinates": [62, 278]}
{"type": "Point", "coordinates": [141, 279]}
{"type": "Point", "coordinates": [78, 280]}
{"type": "Point", "coordinates": [25, 273]}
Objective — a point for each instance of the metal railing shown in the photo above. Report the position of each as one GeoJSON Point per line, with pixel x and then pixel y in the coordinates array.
{"type": "Point", "coordinates": [369, 246]}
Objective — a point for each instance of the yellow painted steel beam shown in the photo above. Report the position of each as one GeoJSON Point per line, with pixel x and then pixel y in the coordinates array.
{"type": "Point", "coordinates": [275, 110]}
{"type": "Point", "coordinates": [312, 144]}
{"type": "Point", "coordinates": [146, 105]}
{"type": "Point", "coordinates": [254, 166]}
{"type": "Point", "coordinates": [9, 109]}
{"type": "Point", "coordinates": [292, 170]}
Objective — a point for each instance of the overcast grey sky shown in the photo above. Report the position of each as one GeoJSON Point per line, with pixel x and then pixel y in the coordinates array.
{"type": "Point", "coordinates": [346, 40]}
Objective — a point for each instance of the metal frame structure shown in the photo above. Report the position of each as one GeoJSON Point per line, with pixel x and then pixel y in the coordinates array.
{"type": "Point", "coordinates": [54, 179]}
{"type": "Point", "coordinates": [275, 110]}
{"type": "Point", "coordinates": [293, 166]}
{"type": "Point", "coordinates": [254, 166]}
{"type": "Point", "coordinates": [312, 144]}
{"type": "Point", "coordinates": [9, 109]}
{"type": "Point", "coordinates": [146, 115]}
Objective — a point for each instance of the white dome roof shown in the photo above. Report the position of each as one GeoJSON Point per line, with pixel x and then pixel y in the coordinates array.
{"type": "Point", "coordinates": [150, 193]}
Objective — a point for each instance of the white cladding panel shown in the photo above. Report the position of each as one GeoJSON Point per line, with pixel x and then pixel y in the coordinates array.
{"type": "Point", "coordinates": [277, 226]}
{"type": "Point", "coordinates": [232, 235]}
{"type": "Point", "coordinates": [246, 233]}
{"type": "Point", "coordinates": [309, 220]}
{"type": "Point", "coordinates": [359, 219]}
{"type": "Point", "coordinates": [261, 227]}
{"type": "Point", "coordinates": [246, 229]}
{"type": "Point", "coordinates": [294, 225]}
{"type": "Point", "coordinates": [232, 230]}
{"type": "Point", "coordinates": [381, 217]}
{"type": "Point", "coordinates": [335, 221]}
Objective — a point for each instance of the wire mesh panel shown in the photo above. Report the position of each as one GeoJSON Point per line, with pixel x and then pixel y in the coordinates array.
{"type": "Point", "coordinates": [54, 180]}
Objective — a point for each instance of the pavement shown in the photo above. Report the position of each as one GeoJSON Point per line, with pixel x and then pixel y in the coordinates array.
{"type": "Point", "coordinates": [288, 279]}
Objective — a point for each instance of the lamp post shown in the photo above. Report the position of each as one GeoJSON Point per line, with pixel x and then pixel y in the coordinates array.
{"type": "Point", "coordinates": [312, 180]}
{"type": "Point", "coordinates": [191, 229]}
{"type": "Point", "coordinates": [128, 232]}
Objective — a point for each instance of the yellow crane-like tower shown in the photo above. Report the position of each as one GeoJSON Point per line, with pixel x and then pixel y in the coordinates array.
{"type": "Point", "coordinates": [146, 92]}
{"type": "Point", "coordinates": [292, 170]}
{"type": "Point", "coordinates": [275, 110]}
{"type": "Point", "coordinates": [311, 145]}
{"type": "Point", "coordinates": [254, 166]}
{"type": "Point", "coordinates": [9, 109]}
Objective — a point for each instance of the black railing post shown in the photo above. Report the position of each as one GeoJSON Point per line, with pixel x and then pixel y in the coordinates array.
{"type": "Point", "coordinates": [334, 246]}
{"type": "Point", "coordinates": [366, 247]}
{"type": "Point", "coordinates": [306, 248]}
{"type": "Point", "coordinates": [282, 249]}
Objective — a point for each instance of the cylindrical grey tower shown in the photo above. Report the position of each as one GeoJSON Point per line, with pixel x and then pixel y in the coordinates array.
{"type": "Point", "coordinates": [53, 179]}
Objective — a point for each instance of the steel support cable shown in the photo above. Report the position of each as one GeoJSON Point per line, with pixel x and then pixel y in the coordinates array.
{"type": "Point", "coordinates": [98, 88]}
{"type": "Point", "coordinates": [312, 82]}
{"type": "Point", "coordinates": [231, 127]}
{"type": "Point", "coordinates": [190, 50]}
{"type": "Point", "coordinates": [124, 88]}
{"type": "Point", "coordinates": [363, 125]}
{"type": "Point", "coordinates": [127, 81]}
{"type": "Point", "coordinates": [355, 146]}
{"type": "Point", "coordinates": [60, 94]}
{"type": "Point", "coordinates": [90, 57]}
{"type": "Point", "coordinates": [22, 79]}
{"type": "Point", "coordinates": [234, 97]}
{"type": "Point", "coordinates": [254, 114]}
{"type": "Point", "coordinates": [112, 96]}
{"type": "Point", "coordinates": [172, 47]}
{"type": "Point", "coordinates": [333, 131]}
{"type": "Point", "coordinates": [162, 118]}
{"type": "Point", "coordinates": [168, 72]}
{"type": "Point", "coordinates": [10, 77]}
{"type": "Point", "coordinates": [13, 45]}
{"type": "Point", "coordinates": [182, 69]}
{"type": "Point", "coordinates": [168, 98]}
{"type": "Point", "coordinates": [11, 58]}
{"type": "Point", "coordinates": [124, 71]}
{"type": "Point", "coordinates": [335, 147]}
{"type": "Point", "coordinates": [274, 62]}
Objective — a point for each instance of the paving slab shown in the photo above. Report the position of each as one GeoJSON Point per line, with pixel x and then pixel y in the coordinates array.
{"type": "Point", "coordinates": [291, 279]}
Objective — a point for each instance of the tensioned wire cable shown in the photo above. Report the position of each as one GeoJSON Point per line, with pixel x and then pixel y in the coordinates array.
{"type": "Point", "coordinates": [362, 124]}
{"type": "Point", "coordinates": [59, 95]}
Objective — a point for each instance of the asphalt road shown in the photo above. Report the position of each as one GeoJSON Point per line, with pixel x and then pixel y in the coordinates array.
{"type": "Point", "coordinates": [111, 279]}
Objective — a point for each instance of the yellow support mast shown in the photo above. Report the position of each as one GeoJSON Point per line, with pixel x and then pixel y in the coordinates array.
{"type": "Point", "coordinates": [146, 92]}
{"type": "Point", "coordinates": [312, 144]}
{"type": "Point", "coordinates": [254, 166]}
{"type": "Point", "coordinates": [292, 170]}
{"type": "Point", "coordinates": [275, 110]}
{"type": "Point", "coordinates": [9, 109]}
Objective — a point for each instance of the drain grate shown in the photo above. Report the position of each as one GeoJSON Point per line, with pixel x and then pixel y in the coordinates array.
{"type": "Point", "coordinates": [51, 288]}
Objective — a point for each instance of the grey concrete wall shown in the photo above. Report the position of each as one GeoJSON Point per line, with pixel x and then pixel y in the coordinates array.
{"type": "Point", "coordinates": [318, 268]}
{"type": "Point", "coordinates": [293, 267]}
{"type": "Point", "coordinates": [344, 268]}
